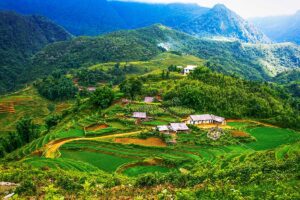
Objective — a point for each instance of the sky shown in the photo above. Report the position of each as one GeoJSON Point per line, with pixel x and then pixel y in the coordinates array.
{"type": "Point", "coordinates": [246, 8]}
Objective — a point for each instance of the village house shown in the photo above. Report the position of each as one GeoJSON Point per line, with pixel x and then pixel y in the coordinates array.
{"type": "Point", "coordinates": [140, 115]}
{"type": "Point", "coordinates": [91, 89]}
{"type": "Point", "coordinates": [206, 119]}
{"type": "Point", "coordinates": [179, 127]}
{"type": "Point", "coordinates": [188, 69]}
{"type": "Point", "coordinates": [173, 127]}
{"type": "Point", "coordinates": [149, 99]}
{"type": "Point", "coordinates": [163, 129]}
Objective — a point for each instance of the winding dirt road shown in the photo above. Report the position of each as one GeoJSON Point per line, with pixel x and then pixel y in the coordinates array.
{"type": "Point", "coordinates": [51, 149]}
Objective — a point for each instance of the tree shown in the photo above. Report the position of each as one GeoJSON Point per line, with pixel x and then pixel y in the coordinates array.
{"type": "Point", "coordinates": [56, 88]}
{"type": "Point", "coordinates": [131, 87]}
{"type": "Point", "coordinates": [163, 74]}
{"type": "Point", "coordinates": [102, 97]}
{"type": "Point", "coordinates": [52, 121]}
{"type": "Point", "coordinates": [27, 129]}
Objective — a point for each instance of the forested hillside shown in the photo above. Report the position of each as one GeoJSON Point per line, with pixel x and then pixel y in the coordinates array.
{"type": "Point", "coordinates": [255, 62]}
{"type": "Point", "coordinates": [21, 37]}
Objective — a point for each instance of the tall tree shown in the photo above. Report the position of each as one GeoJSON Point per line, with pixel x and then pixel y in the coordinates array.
{"type": "Point", "coordinates": [102, 97]}
{"type": "Point", "coordinates": [27, 129]}
{"type": "Point", "coordinates": [131, 87]}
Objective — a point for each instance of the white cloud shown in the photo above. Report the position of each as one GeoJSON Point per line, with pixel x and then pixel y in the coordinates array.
{"type": "Point", "coordinates": [246, 8]}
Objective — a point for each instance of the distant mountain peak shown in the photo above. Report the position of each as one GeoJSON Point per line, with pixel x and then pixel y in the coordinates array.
{"type": "Point", "coordinates": [220, 7]}
{"type": "Point", "coordinates": [221, 21]}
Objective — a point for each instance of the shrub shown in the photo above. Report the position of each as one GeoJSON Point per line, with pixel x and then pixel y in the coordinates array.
{"type": "Point", "coordinates": [181, 111]}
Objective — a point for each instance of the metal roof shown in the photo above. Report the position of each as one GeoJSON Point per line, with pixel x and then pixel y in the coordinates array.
{"type": "Point", "coordinates": [149, 99]}
{"type": "Point", "coordinates": [140, 115]}
{"type": "Point", "coordinates": [163, 128]}
{"type": "Point", "coordinates": [207, 117]}
{"type": "Point", "coordinates": [179, 127]}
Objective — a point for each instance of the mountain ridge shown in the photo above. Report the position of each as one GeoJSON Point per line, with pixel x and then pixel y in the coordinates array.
{"type": "Point", "coordinates": [280, 28]}
{"type": "Point", "coordinates": [220, 21]}
{"type": "Point", "coordinates": [94, 17]}
{"type": "Point", "coordinates": [251, 61]}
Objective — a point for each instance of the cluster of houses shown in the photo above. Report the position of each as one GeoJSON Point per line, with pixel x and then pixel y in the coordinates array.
{"type": "Point", "coordinates": [182, 127]}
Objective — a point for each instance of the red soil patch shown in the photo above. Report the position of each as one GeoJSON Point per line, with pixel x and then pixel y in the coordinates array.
{"type": "Point", "coordinates": [7, 108]}
{"type": "Point", "coordinates": [239, 134]}
{"type": "Point", "coordinates": [96, 127]}
{"type": "Point", "coordinates": [156, 142]}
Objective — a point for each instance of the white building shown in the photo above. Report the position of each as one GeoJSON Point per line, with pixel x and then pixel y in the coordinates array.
{"type": "Point", "coordinates": [189, 68]}
{"type": "Point", "coordinates": [206, 119]}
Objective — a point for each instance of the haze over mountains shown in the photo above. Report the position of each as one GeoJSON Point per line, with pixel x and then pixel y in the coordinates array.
{"type": "Point", "coordinates": [280, 28]}
{"type": "Point", "coordinates": [94, 17]}
{"type": "Point", "coordinates": [195, 30]}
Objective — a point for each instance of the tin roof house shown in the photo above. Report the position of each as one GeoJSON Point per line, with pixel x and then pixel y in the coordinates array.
{"type": "Point", "coordinates": [206, 119]}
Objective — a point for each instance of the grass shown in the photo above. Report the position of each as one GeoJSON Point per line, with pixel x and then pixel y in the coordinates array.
{"type": "Point", "coordinates": [270, 138]}
{"type": "Point", "coordinates": [138, 170]}
{"type": "Point", "coordinates": [155, 123]}
{"type": "Point", "coordinates": [105, 162]}
{"type": "Point", "coordinates": [159, 62]}
{"type": "Point", "coordinates": [102, 131]}
{"type": "Point", "coordinates": [60, 163]}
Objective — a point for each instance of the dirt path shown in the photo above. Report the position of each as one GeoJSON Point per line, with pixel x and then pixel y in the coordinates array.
{"type": "Point", "coordinates": [150, 142]}
{"type": "Point", "coordinates": [52, 148]}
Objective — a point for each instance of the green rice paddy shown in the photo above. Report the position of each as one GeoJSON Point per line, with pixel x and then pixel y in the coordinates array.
{"type": "Point", "coordinates": [108, 156]}
{"type": "Point", "coordinates": [105, 162]}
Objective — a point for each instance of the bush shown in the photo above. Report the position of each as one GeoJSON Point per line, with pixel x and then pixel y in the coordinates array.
{"type": "Point", "coordinates": [27, 187]}
{"type": "Point", "coordinates": [181, 111]}
{"type": "Point", "coordinates": [102, 97]}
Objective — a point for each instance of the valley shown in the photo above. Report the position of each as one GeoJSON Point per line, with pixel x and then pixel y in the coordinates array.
{"type": "Point", "coordinates": [87, 139]}
{"type": "Point", "coordinates": [129, 100]}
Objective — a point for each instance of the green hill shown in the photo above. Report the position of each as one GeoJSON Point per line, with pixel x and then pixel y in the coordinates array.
{"type": "Point", "coordinates": [21, 37]}
{"type": "Point", "coordinates": [255, 62]}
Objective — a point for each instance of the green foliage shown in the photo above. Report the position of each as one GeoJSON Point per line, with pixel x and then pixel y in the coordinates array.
{"type": "Point", "coordinates": [181, 111]}
{"type": "Point", "coordinates": [131, 87]}
{"type": "Point", "coordinates": [227, 96]}
{"type": "Point", "coordinates": [27, 129]}
{"type": "Point", "coordinates": [102, 97]}
{"type": "Point", "coordinates": [150, 109]}
{"type": "Point", "coordinates": [56, 87]}
{"type": "Point", "coordinates": [52, 121]}
{"type": "Point", "coordinates": [27, 187]}
{"type": "Point", "coordinates": [19, 41]}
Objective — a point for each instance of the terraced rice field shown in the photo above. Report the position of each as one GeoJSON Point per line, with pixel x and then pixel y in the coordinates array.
{"type": "Point", "coordinates": [89, 154]}
{"type": "Point", "coordinates": [103, 161]}
{"type": "Point", "coordinates": [156, 142]}
{"type": "Point", "coordinates": [267, 137]}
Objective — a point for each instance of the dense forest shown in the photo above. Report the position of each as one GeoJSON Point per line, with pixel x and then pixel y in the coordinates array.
{"type": "Point", "coordinates": [21, 37]}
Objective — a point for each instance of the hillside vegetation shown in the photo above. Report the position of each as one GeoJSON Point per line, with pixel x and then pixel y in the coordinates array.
{"type": "Point", "coordinates": [21, 37]}
{"type": "Point", "coordinates": [255, 62]}
{"type": "Point", "coordinates": [92, 148]}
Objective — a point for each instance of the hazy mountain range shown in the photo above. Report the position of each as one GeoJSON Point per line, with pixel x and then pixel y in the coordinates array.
{"type": "Point", "coordinates": [280, 28]}
{"type": "Point", "coordinates": [94, 17]}
{"type": "Point", "coordinates": [184, 28]}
